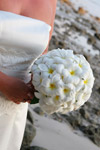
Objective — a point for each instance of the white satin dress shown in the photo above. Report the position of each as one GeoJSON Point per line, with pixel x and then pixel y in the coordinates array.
{"type": "Point", "coordinates": [22, 40]}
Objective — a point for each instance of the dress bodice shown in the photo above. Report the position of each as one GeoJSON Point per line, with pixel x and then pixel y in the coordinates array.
{"type": "Point", "coordinates": [22, 40]}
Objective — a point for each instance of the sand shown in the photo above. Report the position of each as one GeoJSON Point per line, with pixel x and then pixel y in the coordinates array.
{"type": "Point", "coordinates": [54, 135]}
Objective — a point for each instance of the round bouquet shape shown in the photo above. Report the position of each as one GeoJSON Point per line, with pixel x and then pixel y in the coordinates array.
{"type": "Point", "coordinates": [63, 81]}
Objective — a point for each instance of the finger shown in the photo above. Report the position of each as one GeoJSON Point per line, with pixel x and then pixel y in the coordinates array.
{"type": "Point", "coordinates": [30, 95]}
{"type": "Point", "coordinates": [17, 102]}
{"type": "Point", "coordinates": [29, 101]}
{"type": "Point", "coordinates": [30, 85]}
{"type": "Point", "coordinates": [26, 100]}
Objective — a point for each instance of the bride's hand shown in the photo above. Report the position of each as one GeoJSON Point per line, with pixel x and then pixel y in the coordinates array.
{"type": "Point", "coordinates": [18, 91]}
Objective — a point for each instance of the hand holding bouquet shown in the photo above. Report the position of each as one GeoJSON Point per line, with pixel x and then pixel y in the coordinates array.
{"type": "Point", "coordinates": [63, 81]}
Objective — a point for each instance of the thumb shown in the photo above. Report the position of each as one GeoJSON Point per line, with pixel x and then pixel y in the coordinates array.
{"type": "Point", "coordinates": [30, 95]}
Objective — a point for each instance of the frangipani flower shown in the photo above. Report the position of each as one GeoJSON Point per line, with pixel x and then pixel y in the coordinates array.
{"type": "Point", "coordinates": [63, 81]}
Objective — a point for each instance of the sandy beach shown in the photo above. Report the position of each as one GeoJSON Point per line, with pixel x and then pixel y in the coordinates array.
{"type": "Point", "coordinates": [54, 135]}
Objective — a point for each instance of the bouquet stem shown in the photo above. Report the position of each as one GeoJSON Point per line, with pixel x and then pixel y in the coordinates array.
{"type": "Point", "coordinates": [34, 100]}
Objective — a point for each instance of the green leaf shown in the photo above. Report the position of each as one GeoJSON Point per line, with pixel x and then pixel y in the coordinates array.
{"type": "Point", "coordinates": [34, 100]}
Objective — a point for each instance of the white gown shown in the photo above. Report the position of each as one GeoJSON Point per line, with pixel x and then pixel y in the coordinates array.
{"type": "Point", "coordinates": [22, 40]}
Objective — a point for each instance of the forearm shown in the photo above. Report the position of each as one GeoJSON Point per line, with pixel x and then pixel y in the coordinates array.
{"type": "Point", "coordinates": [15, 89]}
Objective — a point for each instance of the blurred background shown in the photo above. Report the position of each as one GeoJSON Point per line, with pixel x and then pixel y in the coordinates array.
{"type": "Point", "coordinates": [77, 27]}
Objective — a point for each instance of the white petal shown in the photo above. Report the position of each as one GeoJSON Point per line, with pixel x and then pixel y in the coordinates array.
{"type": "Point", "coordinates": [43, 67]}
{"type": "Point", "coordinates": [45, 82]}
{"type": "Point", "coordinates": [56, 78]}
{"type": "Point", "coordinates": [55, 53]}
{"type": "Point", "coordinates": [35, 83]}
{"type": "Point", "coordinates": [58, 60]}
{"type": "Point", "coordinates": [48, 100]}
{"type": "Point", "coordinates": [49, 62]}
{"type": "Point", "coordinates": [65, 74]}
{"type": "Point", "coordinates": [70, 86]}
{"type": "Point", "coordinates": [34, 67]}
{"type": "Point", "coordinates": [38, 95]}
{"type": "Point", "coordinates": [44, 74]}
{"type": "Point", "coordinates": [59, 68]}
{"type": "Point", "coordinates": [38, 61]}
{"type": "Point", "coordinates": [78, 71]}
{"type": "Point", "coordinates": [36, 77]}
{"type": "Point", "coordinates": [59, 84]}
{"type": "Point", "coordinates": [73, 79]}
{"type": "Point", "coordinates": [86, 96]}
{"type": "Point", "coordinates": [79, 86]}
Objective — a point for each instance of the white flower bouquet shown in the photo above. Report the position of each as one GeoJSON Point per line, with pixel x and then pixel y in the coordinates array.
{"type": "Point", "coordinates": [63, 81]}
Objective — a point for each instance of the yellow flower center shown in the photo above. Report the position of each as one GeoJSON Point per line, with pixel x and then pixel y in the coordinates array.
{"type": "Point", "coordinates": [50, 71]}
{"type": "Point", "coordinates": [62, 77]}
{"type": "Point", "coordinates": [63, 57]}
{"type": "Point", "coordinates": [40, 80]}
{"type": "Point", "coordinates": [72, 72]}
{"type": "Point", "coordinates": [62, 105]}
{"type": "Point", "coordinates": [66, 91]}
{"type": "Point", "coordinates": [80, 65]}
{"type": "Point", "coordinates": [57, 97]}
{"type": "Point", "coordinates": [85, 81]}
{"type": "Point", "coordinates": [52, 86]}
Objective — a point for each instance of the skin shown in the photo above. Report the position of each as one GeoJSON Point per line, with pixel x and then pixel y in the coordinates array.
{"type": "Point", "coordinates": [13, 88]}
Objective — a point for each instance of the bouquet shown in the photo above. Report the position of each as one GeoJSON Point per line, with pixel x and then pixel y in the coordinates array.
{"type": "Point", "coordinates": [63, 81]}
